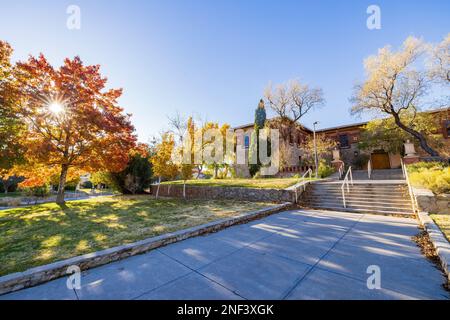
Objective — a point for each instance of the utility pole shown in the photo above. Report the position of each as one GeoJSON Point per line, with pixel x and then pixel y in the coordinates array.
{"type": "Point", "coordinates": [316, 160]}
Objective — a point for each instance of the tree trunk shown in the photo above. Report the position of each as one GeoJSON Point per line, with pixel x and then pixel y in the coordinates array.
{"type": "Point", "coordinates": [216, 169]}
{"type": "Point", "coordinates": [199, 171]}
{"type": "Point", "coordinates": [157, 190]}
{"type": "Point", "coordinates": [5, 185]}
{"type": "Point", "coordinates": [62, 184]}
{"type": "Point", "coordinates": [423, 142]}
{"type": "Point", "coordinates": [184, 190]}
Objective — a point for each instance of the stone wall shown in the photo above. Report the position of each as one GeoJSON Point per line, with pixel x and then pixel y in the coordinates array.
{"type": "Point", "coordinates": [429, 202]}
{"type": "Point", "coordinates": [231, 193]}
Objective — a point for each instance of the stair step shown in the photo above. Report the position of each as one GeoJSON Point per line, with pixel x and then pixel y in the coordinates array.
{"type": "Point", "coordinates": [361, 206]}
{"type": "Point", "coordinates": [399, 196]}
{"type": "Point", "coordinates": [381, 212]}
{"type": "Point", "coordinates": [354, 187]}
{"type": "Point", "coordinates": [358, 200]}
{"type": "Point", "coordinates": [358, 193]}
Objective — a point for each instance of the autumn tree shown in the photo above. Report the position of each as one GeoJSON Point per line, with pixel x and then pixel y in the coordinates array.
{"type": "Point", "coordinates": [394, 85]}
{"type": "Point", "coordinates": [211, 156]}
{"type": "Point", "coordinates": [440, 61]}
{"type": "Point", "coordinates": [11, 150]}
{"type": "Point", "coordinates": [187, 154]}
{"type": "Point", "coordinates": [73, 120]}
{"type": "Point", "coordinates": [163, 165]}
{"type": "Point", "coordinates": [323, 146]}
{"type": "Point", "coordinates": [385, 134]}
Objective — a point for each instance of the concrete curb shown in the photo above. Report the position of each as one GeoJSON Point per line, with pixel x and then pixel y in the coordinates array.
{"type": "Point", "coordinates": [34, 276]}
{"type": "Point", "coordinates": [439, 241]}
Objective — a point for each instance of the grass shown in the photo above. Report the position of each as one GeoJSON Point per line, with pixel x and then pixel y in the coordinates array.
{"type": "Point", "coordinates": [41, 234]}
{"type": "Point", "coordinates": [443, 222]}
{"type": "Point", "coordinates": [270, 183]}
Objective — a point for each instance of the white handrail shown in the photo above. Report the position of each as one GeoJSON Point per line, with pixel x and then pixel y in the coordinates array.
{"type": "Point", "coordinates": [410, 191]}
{"type": "Point", "coordinates": [403, 168]}
{"type": "Point", "coordinates": [369, 168]}
{"type": "Point", "coordinates": [346, 182]}
{"type": "Point", "coordinates": [303, 177]}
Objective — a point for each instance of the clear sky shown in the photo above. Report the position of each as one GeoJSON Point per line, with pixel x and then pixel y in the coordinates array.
{"type": "Point", "coordinates": [215, 57]}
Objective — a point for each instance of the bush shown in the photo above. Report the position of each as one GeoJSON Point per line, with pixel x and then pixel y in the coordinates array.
{"type": "Point", "coordinates": [431, 175]}
{"type": "Point", "coordinates": [257, 175]}
{"type": "Point", "coordinates": [134, 179]}
{"type": "Point", "coordinates": [253, 169]}
{"type": "Point", "coordinates": [360, 161]}
{"type": "Point", "coordinates": [87, 185]}
{"type": "Point", "coordinates": [325, 170]}
{"type": "Point", "coordinates": [42, 191]}
{"type": "Point", "coordinates": [420, 166]}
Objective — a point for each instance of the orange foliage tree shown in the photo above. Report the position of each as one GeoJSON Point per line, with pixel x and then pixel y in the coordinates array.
{"type": "Point", "coordinates": [73, 121]}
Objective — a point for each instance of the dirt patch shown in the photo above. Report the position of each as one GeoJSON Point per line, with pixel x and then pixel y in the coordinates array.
{"type": "Point", "coordinates": [422, 239]}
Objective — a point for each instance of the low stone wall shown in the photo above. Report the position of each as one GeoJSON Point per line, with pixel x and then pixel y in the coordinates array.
{"type": "Point", "coordinates": [232, 193]}
{"type": "Point", "coordinates": [439, 241]}
{"type": "Point", "coordinates": [429, 202]}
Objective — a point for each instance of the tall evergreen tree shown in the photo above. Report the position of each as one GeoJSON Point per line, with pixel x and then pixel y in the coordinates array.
{"type": "Point", "coordinates": [260, 120]}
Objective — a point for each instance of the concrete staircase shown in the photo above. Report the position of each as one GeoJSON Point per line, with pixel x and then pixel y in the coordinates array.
{"type": "Point", "coordinates": [376, 197]}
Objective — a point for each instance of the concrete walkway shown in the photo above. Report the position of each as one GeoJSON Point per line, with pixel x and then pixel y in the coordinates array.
{"type": "Point", "coordinates": [301, 254]}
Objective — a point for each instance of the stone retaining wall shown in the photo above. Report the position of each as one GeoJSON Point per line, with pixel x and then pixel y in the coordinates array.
{"type": "Point", "coordinates": [232, 193]}
{"type": "Point", "coordinates": [428, 202]}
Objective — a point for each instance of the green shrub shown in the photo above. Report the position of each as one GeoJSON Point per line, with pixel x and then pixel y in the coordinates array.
{"type": "Point", "coordinates": [420, 166]}
{"type": "Point", "coordinates": [87, 185]}
{"type": "Point", "coordinates": [360, 161]}
{"type": "Point", "coordinates": [324, 169]}
{"type": "Point", "coordinates": [431, 175]}
{"type": "Point", "coordinates": [42, 191]}
{"type": "Point", "coordinates": [257, 175]}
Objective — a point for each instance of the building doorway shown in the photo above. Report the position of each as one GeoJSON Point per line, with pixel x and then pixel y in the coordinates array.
{"type": "Point", "coordinates": [380, 160]}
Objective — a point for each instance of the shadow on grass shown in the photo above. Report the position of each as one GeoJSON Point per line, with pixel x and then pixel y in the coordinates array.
{"type": "Point", "coordinates": [36, 235]}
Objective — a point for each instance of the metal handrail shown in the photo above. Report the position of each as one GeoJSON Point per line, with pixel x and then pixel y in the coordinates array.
{"type": "Point", "coordinates": [346, 183]}
{"type": "Point", "coordinates": [410, 191]}
{"type": "Point", "coordinates": [302, 179]}
{"type": "Point", "coordinates": [304, 175]}
{"type": "Point", "coordinates": [369, 168]}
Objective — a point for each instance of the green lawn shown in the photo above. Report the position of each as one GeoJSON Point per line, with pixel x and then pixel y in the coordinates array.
{"type": "Point", "coordinates": [443, 221]}
{"type": "Point", "coordinates": [269, 183]}
{"type": "Point", "coordinates": [37, 235]}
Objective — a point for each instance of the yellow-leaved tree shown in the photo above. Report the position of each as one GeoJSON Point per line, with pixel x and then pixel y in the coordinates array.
{"type": "Point", "coordinates": [163, 164]}
{"type": "Point", "coordinates": [396, 84]}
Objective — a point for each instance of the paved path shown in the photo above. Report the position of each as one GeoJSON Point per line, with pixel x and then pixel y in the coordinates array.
{"type": "Point", "coordinates": [301, 254]}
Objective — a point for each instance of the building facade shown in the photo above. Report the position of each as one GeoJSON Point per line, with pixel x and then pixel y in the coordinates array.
{"type": "Point", "coordinates": [347, 138]}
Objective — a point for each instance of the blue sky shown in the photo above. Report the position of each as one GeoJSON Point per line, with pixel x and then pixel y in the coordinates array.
{"type": "Point", "coordinates": [214, 58]}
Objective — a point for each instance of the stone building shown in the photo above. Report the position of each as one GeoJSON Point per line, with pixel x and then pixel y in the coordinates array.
{"type": "Point", "coordinates": [347, 138]}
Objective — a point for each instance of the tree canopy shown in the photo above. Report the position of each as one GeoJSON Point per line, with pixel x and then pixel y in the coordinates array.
{"type": "Point", "coordinates": [72, 120]}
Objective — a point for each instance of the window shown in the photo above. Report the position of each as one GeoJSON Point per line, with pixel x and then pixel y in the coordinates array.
{"type": "Point", "coordinates": [247, 142]}
{"type": "Point", "coordinates": [343, 141]}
